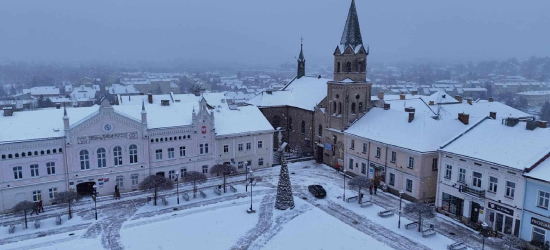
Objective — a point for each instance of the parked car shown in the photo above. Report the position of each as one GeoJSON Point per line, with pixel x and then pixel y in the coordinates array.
{"type": "Point", "coordinates": [317, 190]}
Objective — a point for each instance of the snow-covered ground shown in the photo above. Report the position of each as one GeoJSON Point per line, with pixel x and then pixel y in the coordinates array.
{"type": "Point", "coordinates": [221, 221]}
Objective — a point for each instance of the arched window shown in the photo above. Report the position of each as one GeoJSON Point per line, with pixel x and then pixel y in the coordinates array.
{"type": "Point", "coordinates": [339, 108]}
{"type": "Point", "coordinates": [205, 169]}
{"type": "Point", "coordinates": [353, 107]}
{"type": "Point", "coordinates": [48, 151]}
{"type": "Point", "coordinates": [133, 154]}
{"type": "Point", "coordinates": [303, 129]}
{"type": "Point", "coordinates": [101, 158]}
{"type": "Point", "coordinates": [334, 108]}
{"type": "Point", "coordinates": [360, 107]}
{"type": "Point", "coordinates": [360, 67]}
{"type": "Point", "coordinates": [348, 66]}
{"type": "Point", "coordinates": [16, 155]}
{"type": "Point", "coordinates": [276, 121]}
{"type": "Point", "coordinates": [117, 155]}
{"type": "Point", "coordinates": [338, 68]}
{"type": "Point", "coordinates": [320, 130]}
{"type": "Point", "coordinates": [54, 150]}
{"type": "Point", "coordinates": [290, 123]}
{"type": "Point", "coordinates": [84, 159]}
{"type": "Point", "coordinates": [23, 154]}
{"type": "Point", "coordinates": [120, 181]}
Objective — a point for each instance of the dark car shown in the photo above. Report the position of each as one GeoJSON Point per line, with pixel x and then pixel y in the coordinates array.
{"type": "Point", "coordinates": [317, 190]}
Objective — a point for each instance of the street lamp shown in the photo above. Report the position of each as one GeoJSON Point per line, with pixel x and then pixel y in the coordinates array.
{"type": "Point", "coordinates": [400, 199]}
{"type": "Point", "coordinates": [177, 187]}
{"type": "Point", "coordinates": [484, 227]}
{"type": "Point", "coordinates": [95, 200]}
{"type": "Point", "coordinates": [251, 178]}
{"type": "Point", "coordinates": [344, 185]}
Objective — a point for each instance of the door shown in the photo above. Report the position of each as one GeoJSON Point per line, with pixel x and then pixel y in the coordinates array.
{"type": "Point", "coordinates": [474, 213]}
{"type": "Point", "coordinates": [319, 154]}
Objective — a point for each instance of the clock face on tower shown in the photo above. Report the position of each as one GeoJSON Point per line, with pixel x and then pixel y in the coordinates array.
{"type": "Point", "coordinates": [107, 127]}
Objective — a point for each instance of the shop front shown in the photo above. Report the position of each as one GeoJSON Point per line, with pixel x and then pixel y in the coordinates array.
{"type": "Point", "coordinates": [452, 205]}
{"type": "Point", "coordinates": [377, 172]}
{"type": "Point", "coordinates": [501, 219]}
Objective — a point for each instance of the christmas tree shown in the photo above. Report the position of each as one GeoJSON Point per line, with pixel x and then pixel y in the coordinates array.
{"type": "Point", "coordinates": [285, 199]}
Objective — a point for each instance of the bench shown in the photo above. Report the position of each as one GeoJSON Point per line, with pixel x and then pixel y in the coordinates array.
{"type": "Point", "coordinates": [353, 198]}
{"type": "Point", "coordinates": [232, 188]}
{"type": "Point", "coordinates": [58, 220]}
{"type": "Point", "coordinates": [37, 224]}
{"type": "Point", "coordinates": [12, 229]}
{"type": "Point", "coordinates": [164, 201]}
{"type": "Point", "coordinates": [217, 191]}
{"type": "Point", "coordinates": [385, 214]}
{"type": "Point", "coordinates": [185, 196]}
{"type": "Point", "coordinates": [428, 232]}
{"type": "Point", "coordinates": [149, 199]}
{"type": "Point", "coordinates": [23, 225]}
{"type": "Point", "coordinates": [366, 203]}
{"type": "Point", "coordinates": [202, 194]}
{"type": "Point", "coordinates": [456, 246]}
{"type": "Point", "coordinates": [411, 225]}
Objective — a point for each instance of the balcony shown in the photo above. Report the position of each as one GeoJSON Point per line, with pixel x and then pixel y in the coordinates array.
{"type": "Point", "coordinates": [474, 192]}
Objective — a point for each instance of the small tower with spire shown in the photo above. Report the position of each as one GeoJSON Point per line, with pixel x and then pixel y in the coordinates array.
{"type": "Point", "coordinates": [66, 125]}
{"type": "Point", "coordinates": [143, 113]}
{"type": "Point", "coordinates": [301, 61]}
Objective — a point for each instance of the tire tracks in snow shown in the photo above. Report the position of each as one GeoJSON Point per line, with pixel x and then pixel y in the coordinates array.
{"type": "Point", "coordinates": [264, 223]}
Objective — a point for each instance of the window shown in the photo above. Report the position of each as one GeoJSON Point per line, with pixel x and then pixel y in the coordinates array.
{"type": "Point", "coordinates": [348, 66]}
{"type": "Point", "coordinates": [276, 121]}
{"type": "Point", "coordinates": [18, 173]}
{"type": "Point", "coordinates": [392, 179]}
{"type": "Point", "coordinates": [364, 148]}
{"type": "Point", "coordinates": [303, 128]}
{"type": "Point", "coordinates": [171, 153]}
{"type": "Point", "coordinates": [52, 192]}
{"type": "Point", "coordinates": [50, 168]}
{"type": "Point", "coordinates": [377, 152]}
{"type": "Point", "coordinates": [353, 107]}
{"type": "Point", "coordinates": [260, 144]}
{"type": "Point", "coordinates": [449, 172]}
{"type": "Point", "coordinates": [158, 154]}
{"type": "Point", "coordinates": [172, 174]}
{"type": "Point", "coordinates": [101, 158]}
{"type": "Point", "coordinates": [182, 151]}
{"type": "Point", "coordinates": [34, 170]}
{"type": "Point", "coordinates": [120, 181]}
{"type": "Point", "coordinates": [290, 123]}
{"type": "Point", "coordinates": [261, 162]}
{"type": "Point", "coordinates": [206, 148]}
{"type": "Point", "coordinates": [320, 132]}
{"type": "Point", "coordinates": [183, 172]}
{"type": "Point", "coordinates": [135, 179]}
{"type": "Point", "coordinates": [37, 195]}
{"type": "Point", "coordinates": [339, 108]}
{"type": "Point", "coordinates": [240, 147]}
{"type": "Point", "coordinates": [360, 107]}
{"type": "Point", "coordinates": [117, 156]}
{"type": "Point", "coordinates": [409, 187]}
{"type": "Point", "coordinates": [201, 149]}
{"type": "Point", "coordinates": [350, 163]}
{"type": "Point", "coordinates": [205, 169]}
{"type": "Point", "coordinates": [544, 197]}
{"type": "Point", "coordinates": [462, 175]}
{"type": "Point", "coordinates": [84, 160]}
{"type": "Point", "coordinates": [510, 189]}
{"type": "Point", "coordinates": [240, 165]}
{"type": "Point", "coordinates": [476, 182]}
{"type": "Point", "coordinates": [248, 145]}
{"type": "Point", "coordinates": [393, 156]}
{"type": "Point", "coordinates": [363, 168]}
{"type": "Point", "coordinates": [334, 108]}
{"type": "Point", "coordinates": [493, 181]}
{"type": "Point", "coordinates": [226, 148]}
{"type": "Point", "coordinates": [352, 146]}
{"type": "Point", "coordinates": [538, 235]}
{"type": "Point", "coordinates": [133, 153]}
{"type": "Point", "coordinates": [335, 139]}
{"type": "Point", "coordinates": [411, 163]}
{"type": "Point", "coordinates": [434, 164]}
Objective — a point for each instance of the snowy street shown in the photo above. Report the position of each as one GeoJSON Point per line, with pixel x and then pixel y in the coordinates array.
{"type": "Point", "coordinates": [221, 221]}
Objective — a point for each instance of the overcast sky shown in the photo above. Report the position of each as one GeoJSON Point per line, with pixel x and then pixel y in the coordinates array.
{"type": "Point", "coordinates": [262, 31]}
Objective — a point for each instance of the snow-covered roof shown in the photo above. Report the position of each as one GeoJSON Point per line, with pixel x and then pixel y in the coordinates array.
{"type": "Point", "coordinates": [439, 97]}
{"type": "Point", "coordinates": [541, 172]}
{"type": "Point", "coordinates": [305, 93]}
{"type": "Point", "coordinates": [535, 93]}
{"type": "Point", "coordinates": [491, 141]}
{"type": "Point", "coordinates": [244, 119]}
{"type": "Point", "coordinates": [119, 89]}
{"type": "Point", "coordinates": [44, 90]}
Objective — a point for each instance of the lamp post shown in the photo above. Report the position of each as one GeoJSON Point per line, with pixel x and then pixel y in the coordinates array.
{"type": "Point", "coordinates": [251, 178]}
{"type": "Point", "coordinates": [177, 187]}
{"type": "Point", "coordinates": [400, 200]}
{"type": "Point", "coordinates": [344, 185]}
{"type": "Point", "coordinates": [484, 227]}
{"type": "Point", "coordinates": [95, 200]}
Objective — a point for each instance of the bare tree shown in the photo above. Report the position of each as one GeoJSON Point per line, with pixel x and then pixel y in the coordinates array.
{"type": "Point", "coordinates": [419, 210]}
{"type": "Point", "coordinates": [68, 197]}
{"type": "Point", "coordinates": [360, 182]}
{"type": "Point", "coordinates": [195, 177]}
{"type": "Point", "coordinates": [24, 206]}
{"type": "Point", "coordinates": [223, 169]}
{"type": "Point", "coordinates": [156, 183]}
{"type": "Point", "coordinates": [512, 242]}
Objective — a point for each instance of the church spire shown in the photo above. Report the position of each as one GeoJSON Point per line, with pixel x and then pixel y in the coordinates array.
{"type": "Point", "coordinates": [352, 33]}
{"type": "Point", "coordinates": [301, 61]}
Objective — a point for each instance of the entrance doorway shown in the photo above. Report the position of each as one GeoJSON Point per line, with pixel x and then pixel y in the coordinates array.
{"type": "Point", "coordinates": [320, 152]}
{"type": "Point", "coordinates": [474, 213]}
{"type": "Point", "coordinates": [160, 174]}
{"type": "Point", "coordinates": [85, 188]}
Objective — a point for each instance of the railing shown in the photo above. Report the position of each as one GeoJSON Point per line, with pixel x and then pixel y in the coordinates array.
{"type": "Point", "coordinates": [478, 193]}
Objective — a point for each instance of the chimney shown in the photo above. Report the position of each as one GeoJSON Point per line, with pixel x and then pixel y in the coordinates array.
{"type": "Point", "coordinates": [531, 125]}
{"type": "Point", "coordinates": [8, 111]}
{"type": "Point", "coordinates": [57, 105]}
{"type": "Point", "coordinates": [469, 100]}
{"type": "Point", "coordinates": [493, 115]}
{"type": "Point", "coordinates": [415, 92]}
{"type": "Point", "coordinates": [411, 116]}
{"type": "Point", "coordinates": [381, 95]}
{"type": "Point", "coordinates": [409, 109]}
{"type": "Point", "coordinates": [511, 121]}
{"type": "Point", "coordinates": [458, 98]}
{"type": "Point", "coordinates": [543, 124]}
{"type": "Point", "coordinates": [402, 97]}
{"type": "Point", "coordinates": [464, 118]}
{"type": "Point", "coordinates": [319, 77]}
{"type": "Point", "coordinates": [432, 103]}
{"type": "Point", "coordinates": [150, 98]}
{"type": "Point", "coordinates": [386, 106]}
{"type": "Point", "coordinates": [165, 103]}
{"type": "Point", "coordinates": [491, 99]}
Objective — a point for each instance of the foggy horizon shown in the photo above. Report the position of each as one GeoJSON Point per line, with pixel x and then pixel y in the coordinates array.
{"type": "Point", "coordinates": [252, 32]}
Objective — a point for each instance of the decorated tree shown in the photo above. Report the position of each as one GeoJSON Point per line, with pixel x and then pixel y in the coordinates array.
{"type": "Point", "coordinates": [223, 169]}
{"type": "Point", "coordinates": [419, 210]}
{"type": "Point", "coordinates": [360, 182]}
{"type": "Point", "coordinates": [285, 199]}
{"type": "Point", "coordinates": [24, 207]}
{"type": "Point", "coordinates": [69, 197]}
{"type": "Point", "coordinates": [195, 177]}
{"type": "Point", "coordinates": [156, 183]}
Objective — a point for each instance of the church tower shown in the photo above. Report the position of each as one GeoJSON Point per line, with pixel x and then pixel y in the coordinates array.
{"type": "Point", "coordinates": [301, 62]}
